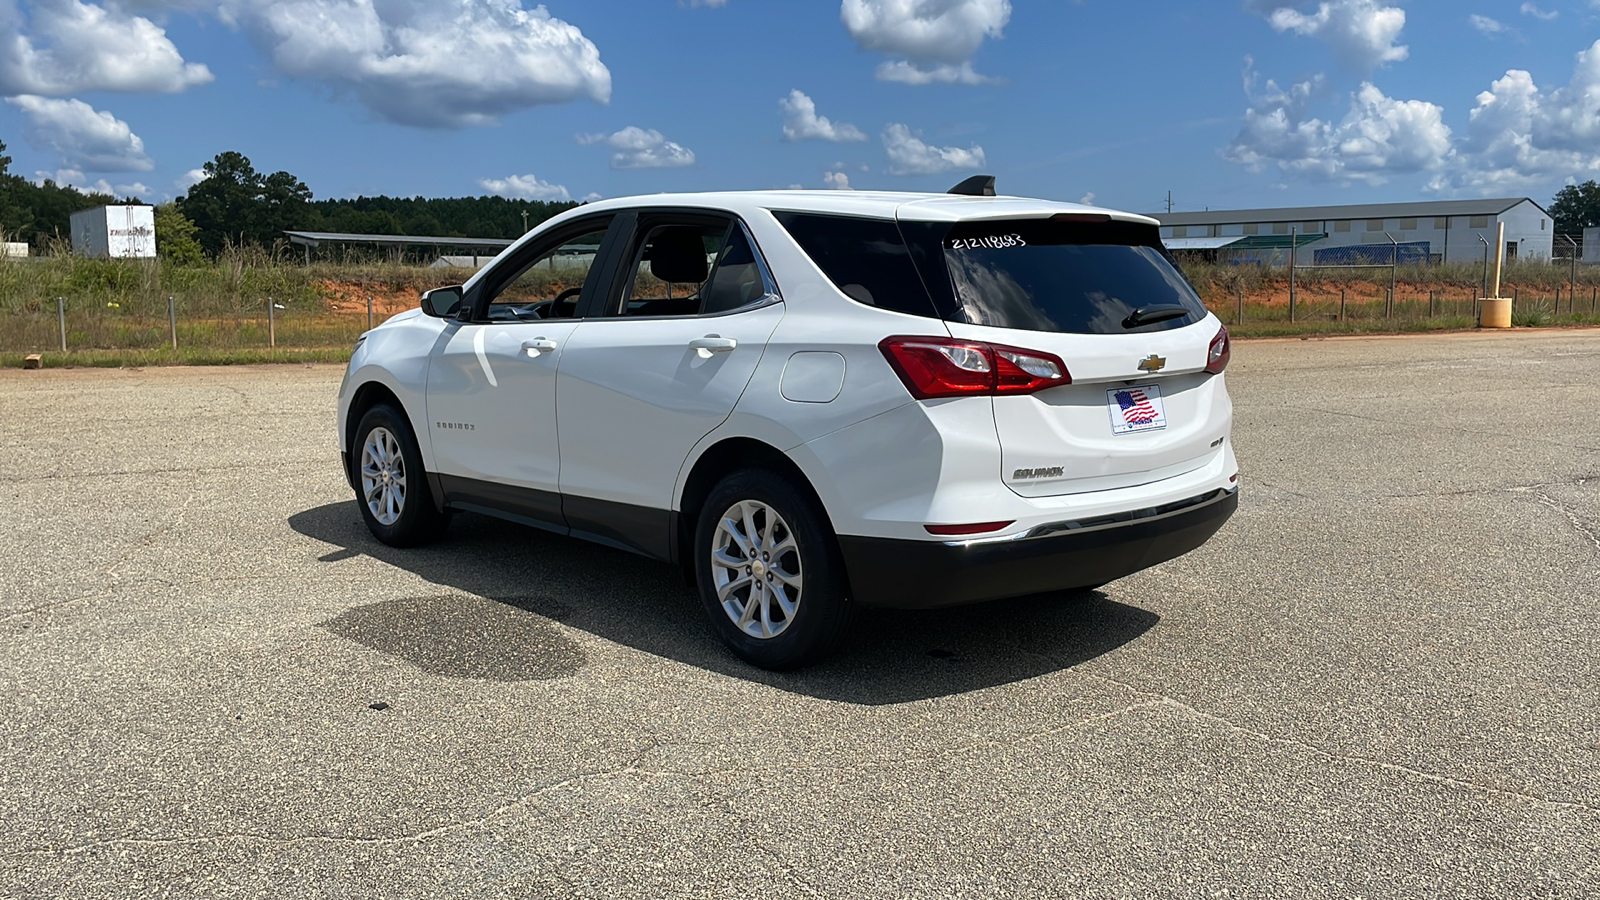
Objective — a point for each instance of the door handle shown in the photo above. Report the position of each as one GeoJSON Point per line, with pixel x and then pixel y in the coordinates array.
{"type": "Point", "coordinates": [537, 346]}
{"type": "Point", "coordinates": [712, 343]}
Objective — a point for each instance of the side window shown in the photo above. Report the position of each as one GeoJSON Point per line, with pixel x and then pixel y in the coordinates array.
{"type": "Point", "coordinates": [549, 285]}
{"type": "Point", "coordinates": [671, 269]}
{"type": "Point", "coordinates": [737, 279]}
{"type": "Point", "coordinates": [866, 259]}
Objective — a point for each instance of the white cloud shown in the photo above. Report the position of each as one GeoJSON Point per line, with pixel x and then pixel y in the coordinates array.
{"type": "Point", "coordinates": [62, 47]}
{"type": "Point", "coordinates": [714, 4]}
{"type": "Point", "coordinates": [836, 181]}
{"type": "Point", "coordinates": [86, 139]}
{"type": "Point", "coordinates": [639, 148]}
{"type": "Point", "coordinates": [937, 38]}
{"type": "Point", "coordinates": [1087, 199]}
{"type": "Point", "coordinates": [189, 179]}
{"type": "Point", "coordinates": [801, 122]}
{"type": "Point", "coordinates": [1362, 33]}
{"type": "Point", "coordinates": [1529, 9]}
{"type": "Point", "coordinates": [910, 156]}
{"type": "Point", "coordinates": [1378, 138]}
{"type": "Point", "coordinates": [909, 73]}
{"type": "Point", "coordinates": [76, 178]}
{"type": "Point", "coordinates": [429, 63]}
{"type": "Point", "coordinates": [1488, 26]}
{"type": "Point", "coordinates": [1520, 135]}
{"type": "Point", "coordinates": [525, 187]}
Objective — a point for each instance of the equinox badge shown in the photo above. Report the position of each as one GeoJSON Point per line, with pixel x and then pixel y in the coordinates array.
{"type": "Point", "coordinates": [1152, 364]}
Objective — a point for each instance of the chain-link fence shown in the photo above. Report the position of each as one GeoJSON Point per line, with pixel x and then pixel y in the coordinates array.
{"type": "Point", "coordinates": [62, 325]}
{"type": "Point", "coordinates": [1373, 304]}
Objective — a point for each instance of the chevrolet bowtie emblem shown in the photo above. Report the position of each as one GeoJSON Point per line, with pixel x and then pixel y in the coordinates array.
{"type": "Point", "coordinates": [1152, 364]}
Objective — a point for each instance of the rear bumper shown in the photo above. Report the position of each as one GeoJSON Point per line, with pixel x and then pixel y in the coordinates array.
{"type": "Point", "coordinates": [905, 574]}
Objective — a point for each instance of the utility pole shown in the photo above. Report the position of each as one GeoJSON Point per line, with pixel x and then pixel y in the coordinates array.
{"type": "Point", "coordinates": [524, 221]}
{"type": "Point", "coordinates": [1169, 202]}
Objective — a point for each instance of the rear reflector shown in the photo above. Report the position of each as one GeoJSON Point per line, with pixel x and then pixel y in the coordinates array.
{"type": "Point", "coordinates": [976, 528]}
{"type": "Point", "coordinates": [933, 367]}
{"type": "Point", "coordinates": [1221, 351]}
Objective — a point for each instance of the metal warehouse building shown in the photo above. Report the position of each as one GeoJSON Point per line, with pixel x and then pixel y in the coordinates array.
{"type": "Point", "coordinates": [1429, 232]}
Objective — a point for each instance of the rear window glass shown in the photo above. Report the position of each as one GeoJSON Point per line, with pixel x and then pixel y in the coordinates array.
{"type": "Point", "coordinates": [1047, 275]}
{"type": "Point", "coordinates": [867, 259]}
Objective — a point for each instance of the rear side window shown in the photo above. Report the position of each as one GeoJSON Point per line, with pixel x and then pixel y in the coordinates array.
{"type": "Point", "coordinates": [867, 259]}
{"type": "Point", "coordinates": [1069, 277]}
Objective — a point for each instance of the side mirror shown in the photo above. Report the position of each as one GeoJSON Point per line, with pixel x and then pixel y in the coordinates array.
{"type": "Point", "coordinates": [442, 303]}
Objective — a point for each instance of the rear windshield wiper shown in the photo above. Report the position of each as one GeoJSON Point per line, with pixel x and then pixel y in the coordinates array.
{"type": "Point", "coordinates": [1149, 315]}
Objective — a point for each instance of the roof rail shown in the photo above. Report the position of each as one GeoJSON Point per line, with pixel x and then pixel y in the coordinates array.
{"type": "Point", "coordinates": [976, 186]}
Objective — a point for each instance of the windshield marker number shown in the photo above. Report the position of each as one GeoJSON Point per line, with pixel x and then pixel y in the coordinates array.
{"type": "Point", "coordinates": [992, 242]}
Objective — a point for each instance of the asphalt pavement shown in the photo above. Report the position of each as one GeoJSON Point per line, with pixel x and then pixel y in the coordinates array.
{"type": "Point", "coordinates": [1381, 679]}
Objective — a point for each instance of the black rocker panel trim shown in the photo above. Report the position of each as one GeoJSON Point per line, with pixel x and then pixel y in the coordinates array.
{"type": "Point", "coordinates": [637, 529]}
{"type": "Point", "coordinates": [641, 529]}
{"type": "Point", "coordinates": [541, 509]}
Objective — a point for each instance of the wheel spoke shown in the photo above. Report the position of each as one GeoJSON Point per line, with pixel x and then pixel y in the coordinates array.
{"type": "Point", "coordinates": [731, 528]}
{"type": "Point", "coordinates": [750, 533]}
{"type": "Point", "coordinates": [731, 586]}
{"type": "Point", "coordinates": [752, 605]}
{"type": "Point", "coordinates": [721, 557]}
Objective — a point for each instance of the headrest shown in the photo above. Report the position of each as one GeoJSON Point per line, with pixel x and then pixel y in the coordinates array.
{"type": "Point", "coordinates": [678, 255]}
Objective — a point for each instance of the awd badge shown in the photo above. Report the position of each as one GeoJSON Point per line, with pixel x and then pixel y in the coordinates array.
{"type": "Point", "coordinates": [1152, 364]}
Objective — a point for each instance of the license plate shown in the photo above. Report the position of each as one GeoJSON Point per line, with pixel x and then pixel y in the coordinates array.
{"type": "Point", "coordinates": [1135, 409]}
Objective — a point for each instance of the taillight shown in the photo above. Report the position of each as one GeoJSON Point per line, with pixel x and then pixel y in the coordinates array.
{"type": "Point", "coordinates": [1221, 351]}
{"type": "Point", "coordinates": [934, 367]}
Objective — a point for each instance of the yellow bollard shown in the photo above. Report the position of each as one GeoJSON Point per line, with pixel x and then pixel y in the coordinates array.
{"type": "Point", "coordinates": [1494, 312]}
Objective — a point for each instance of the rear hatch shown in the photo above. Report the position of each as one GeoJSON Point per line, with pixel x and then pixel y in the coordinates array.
{"type": "Point", "coordinates": [1104, 297]}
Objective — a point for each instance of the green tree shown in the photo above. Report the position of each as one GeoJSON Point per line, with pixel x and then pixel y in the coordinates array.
{"type": "Point", "coordinates": [175, 237]}
{"type": "Point", "coordinates": [236, 204]}
{"type": "Point", "coordinates": [222, 205]}
{"type": "Point", "coordinates": [1576, 207]}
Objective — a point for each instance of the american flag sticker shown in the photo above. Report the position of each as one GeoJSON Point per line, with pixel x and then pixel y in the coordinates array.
{"type": "Point", "coordinates": [1136, 409]}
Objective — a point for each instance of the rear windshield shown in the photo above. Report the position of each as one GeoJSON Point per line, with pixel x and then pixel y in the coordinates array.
{"type": "Point", "coordinates": [1071, 277]}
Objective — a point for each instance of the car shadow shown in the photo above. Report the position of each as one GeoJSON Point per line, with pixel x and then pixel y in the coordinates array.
{"type": "Point", "coordinates": [532, 576]}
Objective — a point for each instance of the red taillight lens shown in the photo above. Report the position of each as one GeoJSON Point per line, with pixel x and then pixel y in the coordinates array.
{"type": "Point", "coordinates": [960, 530]}
{"type": "Point", "coordinates": [1221, 351]}
{"type": "Point", "coordinates": [933, 367]}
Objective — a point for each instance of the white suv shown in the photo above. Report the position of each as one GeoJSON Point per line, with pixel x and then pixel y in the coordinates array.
{"type": "Point", "coordinates": [812, 401]}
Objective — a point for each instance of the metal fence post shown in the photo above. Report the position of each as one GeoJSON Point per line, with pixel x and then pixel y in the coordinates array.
{"type": "Point", "coordinates": [1294, 241]}
{"type": "Point", "coordinates": [369, 309]}
{"type": "Point", "coordinates": [272, 326]}
{"type": "Point", "coordinates": [61, 320]}
{"type": "Point", "coordinates": [1239, 319]}
{"type": "Point", "coordinates": [1341, 304]}
{"type": "Point", "coordinates": [172, 321]}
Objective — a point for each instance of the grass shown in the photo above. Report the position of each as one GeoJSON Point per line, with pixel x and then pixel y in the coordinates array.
{"type": "Point", "coordinates": [116, 310]}
{"type": "Point", "coordinates": [183, 356]}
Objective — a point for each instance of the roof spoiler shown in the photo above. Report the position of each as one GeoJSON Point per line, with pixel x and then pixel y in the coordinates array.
{"type": "Point", "coordinates": [976, 186]}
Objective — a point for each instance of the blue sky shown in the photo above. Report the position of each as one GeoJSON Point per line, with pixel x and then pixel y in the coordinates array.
{"type": "Point", "coordinates": [1226, 103]}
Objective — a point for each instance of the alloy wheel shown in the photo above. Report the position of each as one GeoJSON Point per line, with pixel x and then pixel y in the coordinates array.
{"type": "Point", "coordinates": [383, 476]}
{"type": "Point", "coordinates": [755, 569]}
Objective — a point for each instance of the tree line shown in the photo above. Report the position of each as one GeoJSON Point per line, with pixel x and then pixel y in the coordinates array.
{"type": "Point", "coordinates": [235, 205]}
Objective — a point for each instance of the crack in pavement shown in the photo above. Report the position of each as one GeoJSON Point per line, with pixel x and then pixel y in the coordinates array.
{"type": "Point", "coordinates": [351, 840]}
{"type": "Point", "coordinates": [17, 614]}
{"type": "Point", "coordinates": [1412, 426]}
{"type": "Point", "coordinates": [1577, 522]}
{"type": "Point", "coordinates": [1366, 761]}
{"type": "Point", "coordinates": [178, 470]}
{"type": "Point", "coordinates": [633, 768]}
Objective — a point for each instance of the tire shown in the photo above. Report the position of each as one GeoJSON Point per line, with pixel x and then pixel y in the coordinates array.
{"type": "Point", "coordinates": [391, 484]}
{"type": "Point", "coordinates": [788, 609]}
